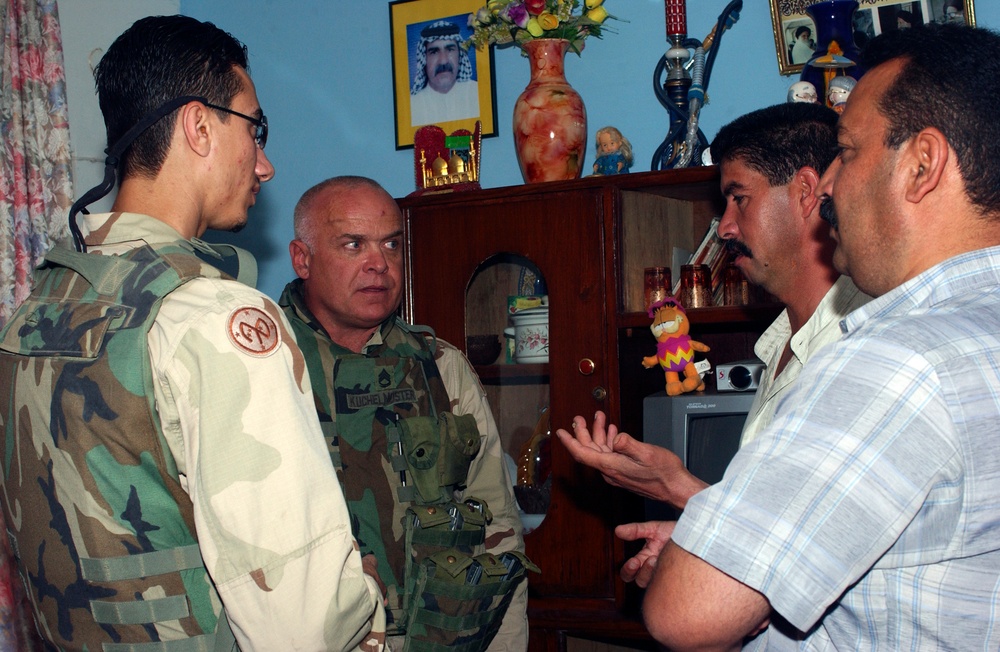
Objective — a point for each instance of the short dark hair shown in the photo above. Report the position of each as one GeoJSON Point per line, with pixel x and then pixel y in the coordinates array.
{"type": "Point", "coordinates": [158, 59]}
{"type": "Point", "coordinates": [779, 140]}
{"type": "Point", "coordinates": [955, 94]}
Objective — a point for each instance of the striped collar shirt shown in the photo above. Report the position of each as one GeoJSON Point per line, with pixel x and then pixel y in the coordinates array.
{"type": "Point", "coordinates": [868, 512]}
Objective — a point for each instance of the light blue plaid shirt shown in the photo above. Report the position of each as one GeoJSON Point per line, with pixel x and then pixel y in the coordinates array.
{"type": "Point", "coordinates": [868, 512]}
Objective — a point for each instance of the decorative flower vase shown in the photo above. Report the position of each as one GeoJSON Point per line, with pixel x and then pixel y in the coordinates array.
{"type": "Point", "coordinates": [834, 45]}
{"type": "Point", "coordinates": [550, 121]}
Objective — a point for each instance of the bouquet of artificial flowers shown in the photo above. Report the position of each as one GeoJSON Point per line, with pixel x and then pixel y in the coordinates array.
{"type": "Point", "coordinates": [503, 22]}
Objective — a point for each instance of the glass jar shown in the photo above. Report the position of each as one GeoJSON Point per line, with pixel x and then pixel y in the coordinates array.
{"type": "Point", "coordinates": [696, 286]}
{"type": "Point", "coordinates": [735, 288]}
{"type": "Point", "coordinates": [656, 283]}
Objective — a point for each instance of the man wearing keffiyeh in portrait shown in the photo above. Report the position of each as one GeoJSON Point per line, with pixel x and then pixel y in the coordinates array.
{"type": "Point", "coordinates": [443, 86]}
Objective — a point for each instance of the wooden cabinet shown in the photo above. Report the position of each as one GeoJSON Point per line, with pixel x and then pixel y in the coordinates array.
{"type": "Point", "coordinates": [590, 240]}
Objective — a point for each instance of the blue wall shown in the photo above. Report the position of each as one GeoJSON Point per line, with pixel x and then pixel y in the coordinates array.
{"type": "Point", "coordinates": [323, 74]}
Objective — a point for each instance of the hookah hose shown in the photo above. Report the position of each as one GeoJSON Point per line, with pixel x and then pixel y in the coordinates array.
{"type": "Point", "coordinates": [702, 70]}
{"type": "Point", "coordinates": [696, 97]}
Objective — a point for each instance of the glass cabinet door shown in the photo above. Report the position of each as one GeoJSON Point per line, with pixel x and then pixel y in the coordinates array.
{"type": "Point", "coordinates": [507, 309]}
{"type": "Point", "coordinates": [462, 261]}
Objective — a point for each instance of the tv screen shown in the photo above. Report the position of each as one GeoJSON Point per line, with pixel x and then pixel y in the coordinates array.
{"type": "Point", "coordinates": [702, 429]}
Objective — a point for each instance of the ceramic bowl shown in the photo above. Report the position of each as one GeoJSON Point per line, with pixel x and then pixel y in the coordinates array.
{"type": "Point", "coordinates": [482, 349]}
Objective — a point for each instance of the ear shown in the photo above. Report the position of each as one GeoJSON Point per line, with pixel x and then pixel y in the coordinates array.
{"type": "Point", "coordinates": [196, 127]}
{"type": "Point", "coordinates": [301, 257]}
{"type": "Point", "coordinates": [803, 188]}
{"type": "Point", "coordinates": [924, 161]}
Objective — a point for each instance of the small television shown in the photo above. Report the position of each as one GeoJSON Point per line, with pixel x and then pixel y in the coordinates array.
{"type": "Point", "coordinates": [703, 429]}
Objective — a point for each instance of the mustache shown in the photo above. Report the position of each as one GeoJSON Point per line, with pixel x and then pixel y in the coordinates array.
{"type": "Point", "coordinates": [828, 212]}
{"type": "Point", "coordinates": [738, 247]}
{"type": "Point", "coordinates": [443, 67]}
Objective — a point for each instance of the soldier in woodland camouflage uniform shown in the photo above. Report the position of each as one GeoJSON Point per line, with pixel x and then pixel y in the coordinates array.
{"type": "Point", "coordinates": [373, 377]}
{"type": "Point", "coordinates": [163, 457]}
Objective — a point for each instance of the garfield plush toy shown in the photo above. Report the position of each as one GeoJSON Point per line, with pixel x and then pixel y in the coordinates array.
{"type": "Point", "coordinates": [674, 348]}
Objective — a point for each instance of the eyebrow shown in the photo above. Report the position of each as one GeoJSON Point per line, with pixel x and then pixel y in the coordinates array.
{"type": "Point", "coordinates": [842, 129]}
{"type": "Point", "coordinates": [731, 187]}
{"type": "Point", "coordinates": [359, 236]}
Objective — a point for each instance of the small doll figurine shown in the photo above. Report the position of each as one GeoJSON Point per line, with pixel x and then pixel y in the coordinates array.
{"type": "Point", "coordinates": [840, 88]}
{"type": "Point", "coordinates": [614, 152]}
{"type": "Point", "coordinates": [674, 348]}
{"type": "Point", "coordinates": [802, 91]}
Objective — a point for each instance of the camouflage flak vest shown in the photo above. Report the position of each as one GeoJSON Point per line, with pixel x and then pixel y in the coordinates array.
{"type": "Point", "coordinates": [102, 531]}
{"type": "Point", "coordinates": [399, 450]}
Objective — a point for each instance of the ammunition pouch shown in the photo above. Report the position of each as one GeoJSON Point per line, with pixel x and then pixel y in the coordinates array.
{"type": "Point", "coordinates": [432, 449]}
{"type": "Point", "coordinates": [455, 602]}
{"type": "Point", "coordinates": [438, 452]}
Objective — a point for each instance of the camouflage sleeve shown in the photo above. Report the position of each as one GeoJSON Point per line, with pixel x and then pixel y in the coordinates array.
{"type": "Point", "coordinates": [234, 398]}
{"type": "Point", "coordinates": [489, 480]}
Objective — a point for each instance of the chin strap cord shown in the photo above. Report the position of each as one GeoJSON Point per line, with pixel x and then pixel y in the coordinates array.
{"type": "Point", "coordinates": [111, 163]}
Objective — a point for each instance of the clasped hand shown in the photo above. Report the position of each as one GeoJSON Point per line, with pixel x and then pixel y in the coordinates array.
{"type": "Point", "coordinates": [639, 569]}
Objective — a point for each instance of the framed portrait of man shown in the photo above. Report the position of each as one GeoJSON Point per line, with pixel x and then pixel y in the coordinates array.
{"type": "Point", "coordinates": [889, 15]}
{"type": "Point", "coordinates": [437, 81]}
{"type": "Point", "coordinates": [795, 33]}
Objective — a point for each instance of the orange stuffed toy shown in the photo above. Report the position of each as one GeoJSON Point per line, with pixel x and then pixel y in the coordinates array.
{"type": "Point", "coordinates": [674, 348]}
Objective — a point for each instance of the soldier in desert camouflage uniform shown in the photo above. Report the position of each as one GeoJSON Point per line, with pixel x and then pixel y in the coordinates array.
{"type": "Point", "coordinates": [385, 391]}
{"type": "Point", "coordinates": [163, 458]}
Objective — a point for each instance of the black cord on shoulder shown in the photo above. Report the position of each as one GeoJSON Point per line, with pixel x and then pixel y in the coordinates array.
{"type": "Point", "coordinates": [114, 157]}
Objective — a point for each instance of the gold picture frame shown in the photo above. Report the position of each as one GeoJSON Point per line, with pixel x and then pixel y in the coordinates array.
{"type": "Point", "coordinates": [407, 19]}
{"type": "Point", "coordinates": [871, 19]}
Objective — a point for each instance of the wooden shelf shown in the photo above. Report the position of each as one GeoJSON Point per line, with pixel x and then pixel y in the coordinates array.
{"type": "Point", "coordinates": [495, 374]}
{"type": "Point", "coordinates": [758, 312]}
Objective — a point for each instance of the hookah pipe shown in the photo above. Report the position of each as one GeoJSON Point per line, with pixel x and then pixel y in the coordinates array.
{"type": "Point", "coordinates": [683, 94]}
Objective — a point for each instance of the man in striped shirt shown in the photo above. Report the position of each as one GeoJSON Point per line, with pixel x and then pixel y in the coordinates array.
{"type": "Point", "coordinates": [865, 515]}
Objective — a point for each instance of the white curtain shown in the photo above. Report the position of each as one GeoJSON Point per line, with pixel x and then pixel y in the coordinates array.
{"type": "Point", "coordinates": [35, 186]}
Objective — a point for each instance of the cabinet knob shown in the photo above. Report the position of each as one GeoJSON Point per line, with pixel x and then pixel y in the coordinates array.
{"type": "Point", "coordinates": [599, 393]}
{"type": "Point", "coordinates": [587, 366]}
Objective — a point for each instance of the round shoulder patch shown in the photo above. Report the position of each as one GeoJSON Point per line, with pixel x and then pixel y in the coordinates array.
{"type": "Point", "coordinates": [253, 331]}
